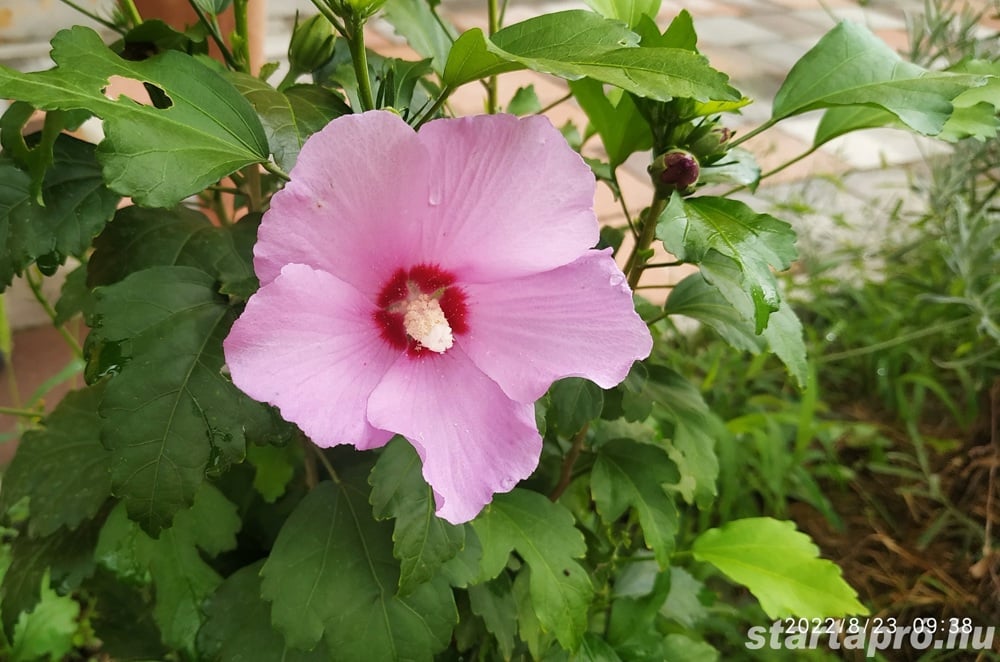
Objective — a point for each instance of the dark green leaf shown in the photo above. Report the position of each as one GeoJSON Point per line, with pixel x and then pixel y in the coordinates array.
{"type": "Point", "coordinates": [694, 297]}
{"type": "Point", "coordinates": [77, 205]}
{"type": "Point", "coordinates": [141, 238]}
{"type": "Point", "coordinates": [685, 649]}
{"type": "Point", "coordinates": [422, 542]}
{"type": "Point", "coordinates": [524, 102]}
{"type": "Point", "coordinates": [627, 475]}
{"type": "Point", "coordinates": [732, 243]}
{"type": "Point", "coordinates": [75, 297]}
{"type": "Point", "coordinates": [279, 113]}
{"type": "Point", "coordinates": [614, 117]}
{"type": "Point", "coordinates": [61, 496]}
{"type": "Point", "coordinates": [274, 467]}
{"type": "Point", "coordinates": [494, 602]}
{"type": "Point", "coordinates": [429, 35]}
{"type": "Point", "coordinates": [543, 534]}
{"type": "Point", "coordinates": [851, 66]}
{"type": "Point", "coordinates": [595, 649]}
{"type": "Point", "coordinates": [168, 412]}
{"type": "Point", "coordinates": [575, 401]}
{"type": "Point", "coordinates": [180, 576]}
{"type": "Point", "coordinates": [780, 566]}
{"type": "Point", "coordinates": [48, 629]}
{"type": "Point", "coordinates": [123, 620]}
{"type": "Point", "coordinates": [156, 156]}
{"type": "Point", "coordinates": [575, 44]}
{"type": "Point", "coordinates": [332, 574]}
{"type": "Point", "coordinates": [238, 627]}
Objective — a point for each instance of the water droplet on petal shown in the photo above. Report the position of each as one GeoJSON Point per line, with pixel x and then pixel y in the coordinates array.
{"type": "Point", "coordinates": [434, 199]}
{"type": "Point", "coordinates": [616, 280]}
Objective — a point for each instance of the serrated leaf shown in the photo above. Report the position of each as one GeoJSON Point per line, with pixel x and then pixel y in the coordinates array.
{"type": "Point", "coordinates": [158, 156]}
{"type": "Point", "coordinates": [785, 338]}
{"type": "Point", "coordinates": [62, 467]}
{"type": "Point", "coordinates": [696, 430]}
{"type": "Point", "coordinates": [48, 629]}
{"type": "Point", "coordinates": [180, 576]}
{"type": "Point", "coordinates": [575, 401]}
{"type": "Point", "coordinates": [615, 118]}
{"type": "Point", "coordinates": [274, 467]}
{"type": "Point", "coordinates": [780, 566]}
{"type": "Point", "coordinates": [543, 534]}
{"type": "Point", "coordinates": [140, 238]}
{"type": "Point", "coordinates": [494, 602]}
{"type": "Point", "coordinates": [729, 240]}
{"type": "Point", "coordinates": [66, 555]}
{"type": "Point", "coordinates": [279, 113]}
{"type": "Point", "coordinates": [77, 205]}
{"type": "Point", "coordinates": [422, 541]}
{"type": "Point", "coordinates": [852, 66]}
{"type": "Point", "coordinates": [576, 44]}
{"type": "Point", "coordinates": [629, 475]}
{"type": "Point", "coordinates": [429, 35]}
{"type": "Point", "coordinates": [168, 411]}
{"type": "Point", "coordinates": [74, 297]}
{"type": "Point", "coordinates": [331, 574]}
{"type": "Point", "coordinates": [238, 625]}
{"type": "Point", "coordinates": [524, 102]}
{"type": "Point", "coordinates": [627, 11]}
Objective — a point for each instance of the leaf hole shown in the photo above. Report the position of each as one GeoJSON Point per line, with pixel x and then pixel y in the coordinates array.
{"type": "Point", "coordinates": [141, 92]}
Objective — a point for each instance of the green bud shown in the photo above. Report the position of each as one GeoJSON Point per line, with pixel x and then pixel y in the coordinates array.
{"type": "Point", "coordinates": [312, 44]}
{"type": "Point", "coordinates": [675, 170]}
{"type": "Point", "coordinates": [354, 10]}
{"type": "Point", "coordinates": [709, 143]}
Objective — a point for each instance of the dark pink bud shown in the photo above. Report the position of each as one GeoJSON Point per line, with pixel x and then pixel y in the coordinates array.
{"type": "Point", "coordinates": [675, 170]}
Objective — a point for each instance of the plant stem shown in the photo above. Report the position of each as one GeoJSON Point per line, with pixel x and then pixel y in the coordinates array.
{"type": "Point", "coordinates": [23, 413]}
{"type": "Point", "coordinates": [322, 8]}
{"type": "Point", "coordinates": [566, 475]}
{"type": "Point", "coordinates": [94, 17]}
{"type": "Point", "coordinates": [647, 232]}
{"type": "Point", "coordinates": [36, 290]}
{"type": "Point", "coordinates": [562, 99]}
{"type": "Point", "coordinates": [275, 170]}
{"type": "Point", "coordinates": [359, 57]}
{"type": "Point", "coordinates": [747, 136]}
{"type": "Point", "coordinates": [130, 10]}
{"type": "Point", "coordinates": [242, 41]}
{"type": "Point", "coordinates": [440, 101]}
{"type": "Point", "coordinates": [326, 463]}
{"type": "Point", "coordinates": [216, 34]}
{"type": "Point", "coordinates": [492, 102]}
{"type": "Point", "coordinates": [252, 188]}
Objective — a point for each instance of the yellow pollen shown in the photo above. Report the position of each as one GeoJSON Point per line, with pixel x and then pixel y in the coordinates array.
{"type": "Point", "coordinates": [425, 322]}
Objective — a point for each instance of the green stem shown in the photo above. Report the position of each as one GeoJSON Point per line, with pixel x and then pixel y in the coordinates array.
{"type": "Point", "coordinates": [130, 10]}
{"type": "Point", "coordinates": [774, 171]}
{"type": "Point", "coordinates": [288, 80]}
{"type": "Point", "coordinates": [252, 188]}
{"type": "Point", "coordinates": [324, 9]}
{"type": "Point", "coordinates": [647, 232]}
{"type": "Point", "coordinates": [23, 413]}
{"type": "Point", "coordinates": [36, 290]}
{"type": "Point", "coordinates": [326, 463]}
{"type": "Point", "coordinates": [438, 103]}
{"type": "Point", "coordinates": [555, 103]}
{"type": "Point", "coordinates": [216, 34]}
{"type": "Point", "coordinates": [359, 56]}
{"type": "Point", "coordinates": [275, 170]}
{"type": "Point", "coordinates": [94, 17]}
{"type": "Point", "coordinates": [566, 475]}
{"type": "Point", "coordinates": [492, 103]}
{"type": "Point", "coordinates": [739, 140]}
{"type": "Point", "coordinates": [242, 41]}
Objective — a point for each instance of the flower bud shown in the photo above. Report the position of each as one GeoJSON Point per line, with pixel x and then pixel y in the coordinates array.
{"type": "Point", "coordinates": [710, 144]}
{"type": "Point", "coordinates": [354, 10]}
{"type": "Point", "coordinates": [675, 170]}
{"type": "Point", "coordinates": [311, 45]}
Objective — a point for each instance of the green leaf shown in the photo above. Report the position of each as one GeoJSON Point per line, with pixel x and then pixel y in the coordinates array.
{"type": "Point", "coordinates": [274, 467]}
{"type": "Point", "coordinates": [694, 297]}
{"type": "Point", "coordinates": [180, 576]}
{"type": "Point", "coordinates": [332, 574]}
{"type": "Point", "coordinates": [48, 629]}
{"type": "Point", "coordinates": [70, 438]}
{"type": "Point", "coordinates": [76, 207]}
{"type": "Point", "coordinates": [428, 34]}
{"type": "Point", "coordinates": [213, 6]}
{"type": "Point", "coordinates": [575, 401]}
{"type": "Point", "coordinates": [158, 156]}
{"type": "Point", "coordinates": [732, 243]}
{"type": "Point", "coordinates": [851, 66]}
{"type": "Point", "coordinates": [140, 238]}
{"type": "Point", "coordinates": [74, 297]}
{"type": "Point", "coordinates": [543, 535]}
{"type": "Point", "coordinates": [780, 566]}
{"type": "Point", "coordinates": [576, 44]}
{"type": "Point", "coordinates": [681, 648]}
{"type": "Point", "coordinates": [279, 113]}
{"type": "Point", "coordinates": [696, 430]}
{"type": "Point", "coordinates": [494, 602]}
{"type": "Point", "coordinates": [524, 102]}
{"type": "Point", "coordinates": [168, 411]}
{"type": "Point", "coordinates": [627, 475]}
{"type": "Point", "coordinates": [627, 11]}
{"type": "Point", "coordinates": [595, 649]}
{"type": "Point", "coordinates": [615, 118]}
{"type": "Point", "coordinates": [6, 338]}
{"type": "Point", "coordinates": [422, 542]}
{"type": "Point", "coordinates": [238, 625]}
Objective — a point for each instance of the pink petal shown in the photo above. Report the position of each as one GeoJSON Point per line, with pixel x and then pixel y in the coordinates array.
{"type": "Point", "coordinates": [511, 197]}
{"type": "Point", "coordinates": [474, 441]}
{"type": "Point", "coordinates": [307, 344]}
{"type": "Point", "coordinates": [349, 207]}
{"type": "Point", "coordinates": [574, 321]}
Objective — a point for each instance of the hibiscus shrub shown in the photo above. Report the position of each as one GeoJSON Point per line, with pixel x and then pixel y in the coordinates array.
{"type": "Point", "coordinates": [367, 381]}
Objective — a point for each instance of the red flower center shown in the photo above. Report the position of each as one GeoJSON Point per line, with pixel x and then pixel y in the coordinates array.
{"type": "Point", "coordinates": [420, 309]}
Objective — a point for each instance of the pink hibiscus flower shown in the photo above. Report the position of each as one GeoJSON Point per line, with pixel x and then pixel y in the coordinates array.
{"type": "Point", "coordinates": [433, 285]}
